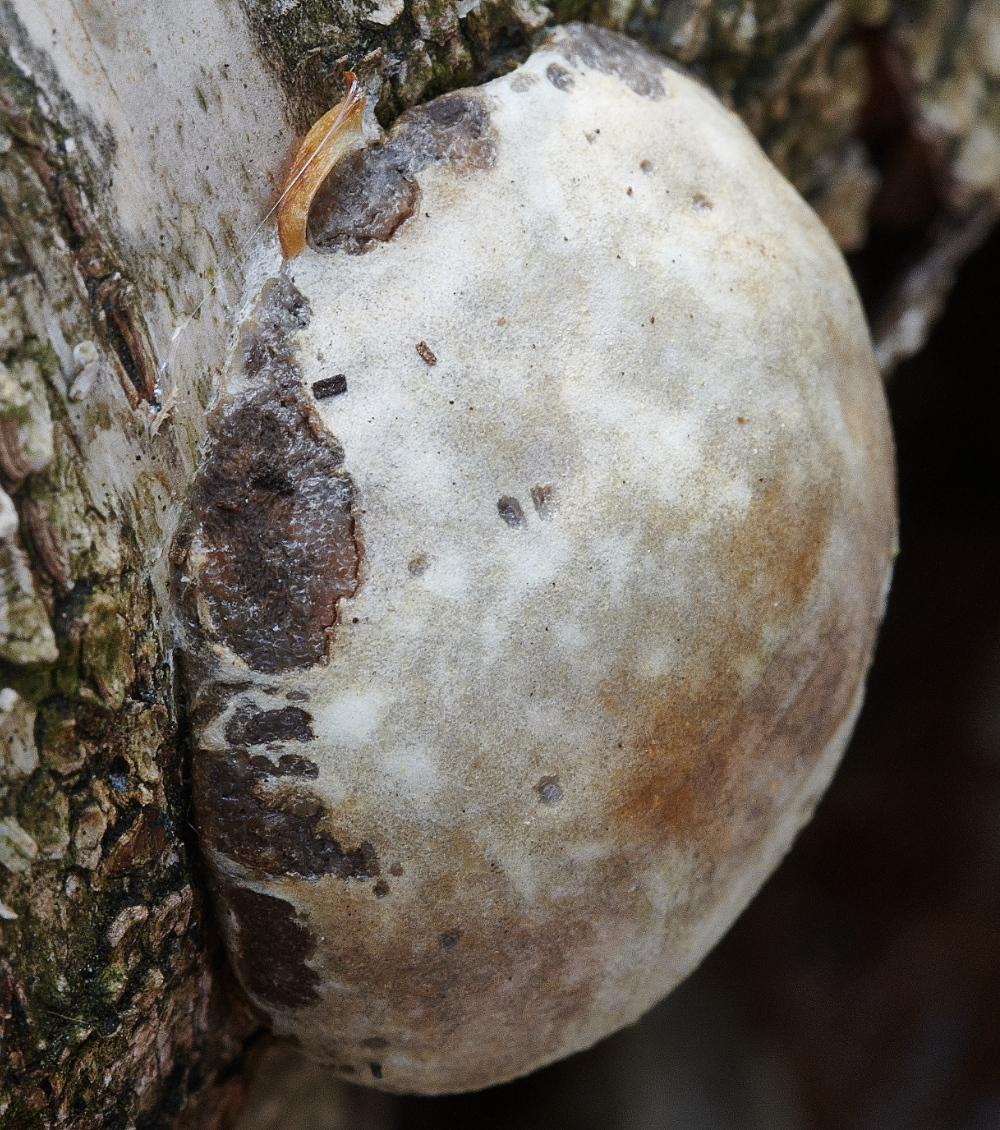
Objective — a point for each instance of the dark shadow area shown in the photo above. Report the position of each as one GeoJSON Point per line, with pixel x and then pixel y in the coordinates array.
{"type": "Point", "coordinates": [910, 198]}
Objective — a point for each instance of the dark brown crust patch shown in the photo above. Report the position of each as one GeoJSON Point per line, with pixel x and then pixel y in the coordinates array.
{"type": "Point", "coordinates": [248, 727]}
{"type": "Point", "coordinates": [613, 54]}
{"type": "Point", "coordinates": [273, 508]}
{"type": "Point", "coordinates": [289, 765]}
{"type": "Point", "coordinates": [213, 698]}
{"type": "Point", "coordinates": [370, 193]}
{"type": "Point", "coordinates": [273, 945]}
{"type": "Point", "coordinates": [271, 828]}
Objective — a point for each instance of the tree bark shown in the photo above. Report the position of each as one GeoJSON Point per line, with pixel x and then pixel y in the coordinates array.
{"type": "Point", "coordinates": [140, 150]}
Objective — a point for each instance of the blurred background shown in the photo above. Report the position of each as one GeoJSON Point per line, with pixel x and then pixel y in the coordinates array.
{"type": "Point", "coordinates": [861, 989]}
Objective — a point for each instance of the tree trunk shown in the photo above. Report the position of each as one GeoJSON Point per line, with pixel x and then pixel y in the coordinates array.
{"type": "Point", "coordinates": [140, 150]}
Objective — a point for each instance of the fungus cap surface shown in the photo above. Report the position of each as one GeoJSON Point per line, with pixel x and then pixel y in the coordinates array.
{"type": "Point", "coordinates": [534, 571]}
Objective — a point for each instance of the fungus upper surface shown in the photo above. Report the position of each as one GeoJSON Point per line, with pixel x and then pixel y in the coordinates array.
{"type": "Point", "coordinates": [513, 769]}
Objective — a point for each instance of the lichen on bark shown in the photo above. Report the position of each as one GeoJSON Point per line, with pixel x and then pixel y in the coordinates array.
{"type": "Point", "coordinates": [104, 975]}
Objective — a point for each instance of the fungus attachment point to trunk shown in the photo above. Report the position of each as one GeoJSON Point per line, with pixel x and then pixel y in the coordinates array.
{"type": "Point", "coordinates": [513, 677]}
{"type": "Point", "coordinates": [329, 139]}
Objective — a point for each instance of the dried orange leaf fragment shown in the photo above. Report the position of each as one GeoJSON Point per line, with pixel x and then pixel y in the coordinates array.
{"type": "Point", "coordinates": [328, 140]}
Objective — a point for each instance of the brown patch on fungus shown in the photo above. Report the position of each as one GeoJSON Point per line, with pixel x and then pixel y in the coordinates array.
{"type": "Point", "coordinates": [510, 510]}
{"type": "Point", "coordinates": [549, 790]}
{"type": "Point", "coordinates": [545, 501]}
{"type": "Point", "coordinates": [274, 509]}
{"type": "Point", "coordinates": [291, 765]}
{"type": "Point", "coordinates": [270, 827]}
{"type": "Point", "coordinates": [248, 727]}
{"type": "Point", "coordinates": [499, 988]}
{"type": "Point", "coordinates": [371, 192]}
{"type": "Point", "coordinates": [560, 78]}
{"type": "Point", "coordinates": [523, 81]}
{"type": "Point", "coordinates": [362, 204]}
{"type": "Point", "coordinates": [213, 698]}
{"type": "Point", "coordinates": [272, 946]}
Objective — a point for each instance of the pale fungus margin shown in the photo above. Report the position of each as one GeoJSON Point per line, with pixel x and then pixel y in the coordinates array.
{"type": "Point", "coordinates": [514, 673]}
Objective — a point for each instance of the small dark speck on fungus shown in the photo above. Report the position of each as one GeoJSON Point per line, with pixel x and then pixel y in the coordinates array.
{"type": "Point", "coordinates": [549, 790]}
{"type": "Point", "coordinates": [330, 386]}
{"type": "Point", "coordinates": [510, 510]}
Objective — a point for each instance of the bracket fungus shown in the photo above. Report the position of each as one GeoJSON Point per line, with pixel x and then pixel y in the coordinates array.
{"type": "Point", "coordinates": [514, 674]}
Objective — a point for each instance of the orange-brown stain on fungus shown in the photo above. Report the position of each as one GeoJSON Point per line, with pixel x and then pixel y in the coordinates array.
{"type": "Point", "coordinates": [328, 140]}
{"type": "Point", "coordinates": [706, 744]}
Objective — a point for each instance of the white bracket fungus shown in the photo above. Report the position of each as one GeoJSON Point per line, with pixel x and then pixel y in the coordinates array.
{"type": "Point", "coordinates": [515, 673]}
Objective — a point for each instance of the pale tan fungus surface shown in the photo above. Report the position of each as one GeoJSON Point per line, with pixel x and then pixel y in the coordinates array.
{"type": "Point", "coordinates": [619, 559]}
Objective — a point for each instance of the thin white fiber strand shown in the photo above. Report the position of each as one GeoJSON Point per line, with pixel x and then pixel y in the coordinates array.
{"type": "Point", "coordinates": [346, 106]}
